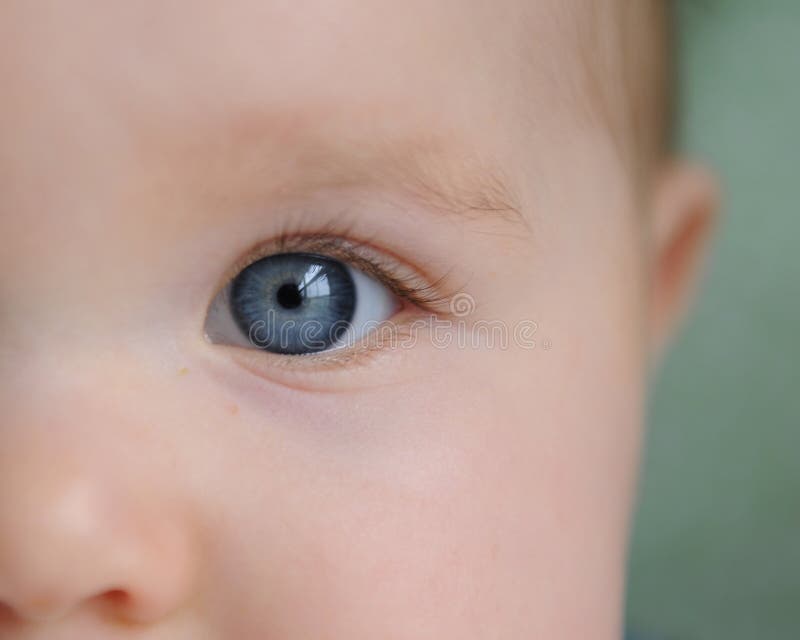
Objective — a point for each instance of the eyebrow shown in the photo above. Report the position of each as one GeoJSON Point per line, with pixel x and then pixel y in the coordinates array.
{"type": "Point", "coordinates": [450, 178]}
{"type": "Point", "coordinates": [441, 171]}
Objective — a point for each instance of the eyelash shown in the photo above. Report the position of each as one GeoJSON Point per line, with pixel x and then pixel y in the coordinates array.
{"type": "Point", "coordinates": [431, 295]}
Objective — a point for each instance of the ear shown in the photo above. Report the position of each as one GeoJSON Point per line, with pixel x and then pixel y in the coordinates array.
{"type": "Point", "coordinates": [684, 210]}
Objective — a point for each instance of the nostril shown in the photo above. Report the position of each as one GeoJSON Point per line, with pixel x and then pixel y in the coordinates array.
{"type": "Point", "coordinates": [117, 602]}
{"type": "Point", "coordinates": [116, 597]}
{"type": "Point", "coordinates": [121, 605]}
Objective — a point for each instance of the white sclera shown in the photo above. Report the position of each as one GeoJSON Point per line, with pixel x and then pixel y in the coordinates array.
{"type": "Point", "coordinates": [375, 304]}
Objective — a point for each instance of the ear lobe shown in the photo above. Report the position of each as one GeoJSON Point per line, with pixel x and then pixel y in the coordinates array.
{"type": "Point", "coordinates": [683, 217]}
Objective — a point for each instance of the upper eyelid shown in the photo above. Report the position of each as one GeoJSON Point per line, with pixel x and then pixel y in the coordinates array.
{"type": "Point", "coordinates": [429, 293]}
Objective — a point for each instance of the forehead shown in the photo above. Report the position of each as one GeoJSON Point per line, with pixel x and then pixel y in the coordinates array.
{"type": "Point", "coordinates": [446, 60]}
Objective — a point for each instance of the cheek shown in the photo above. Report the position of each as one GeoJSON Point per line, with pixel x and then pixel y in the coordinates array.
{"type": "Point", "coordinates": [489, 495]}
{"type": "Point", "coordinates": [393, 533]}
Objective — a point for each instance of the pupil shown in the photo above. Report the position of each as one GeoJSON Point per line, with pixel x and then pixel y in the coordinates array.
{"type": "Point", "coordinates": [289, 296]}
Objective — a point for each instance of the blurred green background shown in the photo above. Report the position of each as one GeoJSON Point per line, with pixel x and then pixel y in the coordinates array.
{"type": "Point", "coordinates": [716, 549]}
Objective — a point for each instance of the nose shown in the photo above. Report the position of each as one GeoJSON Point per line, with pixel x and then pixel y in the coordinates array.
{"type": "Point", "coordinates": [74, 539]}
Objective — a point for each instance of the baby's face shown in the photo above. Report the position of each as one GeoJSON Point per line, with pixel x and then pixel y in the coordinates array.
{"type": "Point", "coordinates": [175, 172]}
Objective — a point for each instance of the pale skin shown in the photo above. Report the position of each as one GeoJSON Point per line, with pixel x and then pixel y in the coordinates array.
{"type": "Point", "coordinates": [155, 484]}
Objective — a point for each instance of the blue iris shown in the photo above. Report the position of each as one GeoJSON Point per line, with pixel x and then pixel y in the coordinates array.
{"type": "Point", "coordinates": [294, 303]}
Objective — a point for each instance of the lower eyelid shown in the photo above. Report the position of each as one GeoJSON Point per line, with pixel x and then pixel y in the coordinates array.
{"type": "Point", "coordinates": [392, 334]}
{"type": "Point", "coordinates": [364, 367]}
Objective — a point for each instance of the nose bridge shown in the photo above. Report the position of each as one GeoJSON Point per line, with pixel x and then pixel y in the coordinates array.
{"type": "Point", "coordinates": [91, 400]}
{"type": "Point", "coordinates": [74, 412]}
{"type": "Point", "coordinates": [65, 390]}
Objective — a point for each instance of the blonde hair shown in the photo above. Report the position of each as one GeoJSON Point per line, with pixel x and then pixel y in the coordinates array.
{"type": "Point", "coordinates": [627, 46]}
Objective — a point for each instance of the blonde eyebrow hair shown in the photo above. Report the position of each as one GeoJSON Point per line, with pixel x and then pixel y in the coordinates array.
{"type": "Point", "coordinates": [443, 178]}
{"type": "Point", "coordinates": [440, 169]}
{"type": "Point", "coordinates": [452, 179]}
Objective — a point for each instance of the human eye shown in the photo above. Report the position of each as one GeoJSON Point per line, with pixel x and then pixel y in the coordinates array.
{"type": "Point", "coordinates": [316, 296]}
{"type": "Point", "coordinates": [300, 303]}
